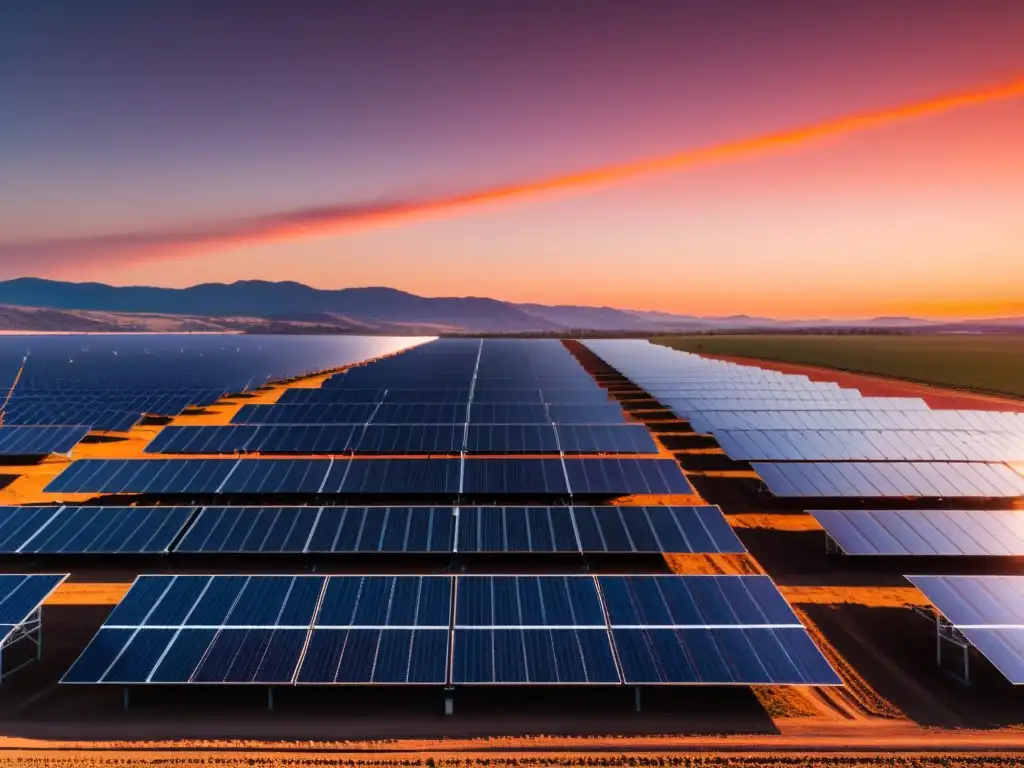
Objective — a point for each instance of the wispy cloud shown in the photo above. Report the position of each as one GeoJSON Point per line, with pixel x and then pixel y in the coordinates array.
{"type": "Point", "coordinates": [45, 254]}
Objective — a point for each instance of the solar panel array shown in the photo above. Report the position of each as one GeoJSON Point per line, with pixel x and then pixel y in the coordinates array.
{"type": "Point", "coordinates": [404, 439]}
{"type": "Point", "coordinates": [108, 383]}
{"type": "Point", "coordinates": [20, 597]}
{"type": "Point", "coordinates": [440, 630]}
{"type": "Point", "coordinates": [353, 477]}
{"type": "Point", "coordinates": [817, 440]}
{"type": "Point", "coordinates": [988, 611]}
{"type": "Point", "coordinates": [926, 532]}
{"type": "Point", "coordinates": [39, 441]}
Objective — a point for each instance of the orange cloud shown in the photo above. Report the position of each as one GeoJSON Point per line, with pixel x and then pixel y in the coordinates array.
{"type": "Point", "coordinates": [338, 219]}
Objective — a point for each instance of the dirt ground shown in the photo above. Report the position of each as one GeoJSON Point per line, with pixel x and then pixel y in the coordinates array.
{"type": "Point", "coordinates": [896, 706]}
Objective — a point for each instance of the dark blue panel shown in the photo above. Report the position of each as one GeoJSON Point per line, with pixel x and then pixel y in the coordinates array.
{"type": "Point", "coordinates": [511, 438]}
{"type": "Point", "coordinates": [411, 438]}
{"type": "Point", "coordinates": [171, 476]}
{"type": "Point", "coordinates": [140, 656]}
{"type": "Point", "coordinates": [524, 601]}
{"type": "Point", "coordinates": [533, 657]}
{"type": "Point", "coordinates": [694, 601]}
{"type": "Point", "coordinates": [574, 413]}
{"type": "Point", "coordinates": [252, 656]}
{"type": "Point", "coordinates": [514, 476]}
{"type": "Point", "coordinates": [975, 600]}
{"type": "Point", "coordinates": [250, 529]}
{"type": "Point", "coordinates": [625, 438]}
{"type": "Point", "coordinates": [311, 413]}
{"type": "Point", "coordinates": [395, 476]}
{"type": "Point", "coordinates": [19, 524]}
{"type": "Point", "coordinates": [623, 477]}
{"type": "Point", "coordinates": [97, 657]}
{"type": "Point", "coordinates": [419, 413]}
{"type": "Point", "coordinates": [20, 595]}
{"type": "Point", "coordinates": [296, 395]}
{"type": "Point", "coordinates": [508, 413]}
{"type": "Point", "coordinates": [109, 530]}
{"type": "Point", "coordinates": [516, 529]}
{"type": "Point", "coordinates": [383, 657]}
{"type": "Point", "coordinates": [721, 657]}
{"type": "Point", "coordinates": [185, 653]}
{"type": "Point", "coordinates": [39, 441]}
{"type": "Point", "coordinates": [375, 601]}
{"type": "Point", "coordinates": [277, 476]}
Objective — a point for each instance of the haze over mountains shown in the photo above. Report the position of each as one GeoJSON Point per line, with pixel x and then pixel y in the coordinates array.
{"type": "Point", "coordinates": [32, 304]}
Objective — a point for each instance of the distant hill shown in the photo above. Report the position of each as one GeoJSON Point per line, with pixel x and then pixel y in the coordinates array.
{"type": "Point", "coordinates": [259, 306]}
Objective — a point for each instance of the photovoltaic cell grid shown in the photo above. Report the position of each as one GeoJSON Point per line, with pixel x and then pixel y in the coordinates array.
{"type": "Point", "coordinates": [403, 439]}
{"type": "Point", "coordinates": [988, 611]}
{"type": "Point", "coordinates": [925, 532]}
{"type": "Point", "coordinates": [460, 529]}
{"type": "Point", "coordinates": [91, 530]}
{"type": "Point", "coordinates": [446, 477]}
{"type": "Point", "coordinates": [20, 596]}
{"type": "Point", "coordinates": [842, 445]}
{"type": "Point", "coordinates": [890, 480]}
{"type": "Point", "coordinates": [976, 421]}
{"type": "Point", "coordinates": [871, 445]}
{"type": "Point", "coordinates": [39, 441]}
{"type": "Point", "coordinates": [100, 418]}
{"type": "Point", "coordinates": [508, 630]}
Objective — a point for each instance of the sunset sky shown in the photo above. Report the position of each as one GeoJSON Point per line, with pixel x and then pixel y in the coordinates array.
{"type": "Point", "coordinates": [187, 141]}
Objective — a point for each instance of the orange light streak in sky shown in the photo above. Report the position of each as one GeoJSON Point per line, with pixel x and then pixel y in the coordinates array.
{"type": "Point", "coordinates": [622, 173]}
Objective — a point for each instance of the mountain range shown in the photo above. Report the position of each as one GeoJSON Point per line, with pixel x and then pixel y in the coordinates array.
{"type": "Point", "coordinates": [33, 304]}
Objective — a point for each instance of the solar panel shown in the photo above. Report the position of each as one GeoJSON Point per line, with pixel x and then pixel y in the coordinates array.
{"type": "Point", "coordinates": [685, 408]}
{"type": "Point", "coordinates": [202, 630]}
{"type": "Point", "coordinates": [622, 438]}
{"type": "Point", "coordinates": [655, 529]}
{"type": "Point", "coordinates": [624, 477]}
{"type": "Point", "coordinates": [166, 476]}
{"type": "Point", "coordinates": [572, 413]}
{"type": "Point", "coordinates": [511, 438]}
{"type": "Point", "coordinates": [399, 477]}
{"type": "Point", "coordinates": [91, 530]}
{"type": "Point", "coordinates": [381, 630]}
{"type": "Point", "coordinates": [920, 532]}
{"type": "Point", "coordinates": [320, 530]}
{"type": "Point", "coordinates": [890, 480]}
{"type": "Point", "coordinates": [514, 476]}
{"type": "Point", "coordinates": [21, 595]}
{"type": "Point", "coordinates": [411, 438]}
{"type": "Point", "coordinates": [479, 476]}
{"type": "Point", "coordinates": [720, 630]}
{"type": "Point", "coordinates": [99, 418]}
{"type": "Point", "coordinates": [988, 611]}
{"type": "Point", "coordinates": [305, 413]}
{"type": "Point", "coordinates": [595, 529]}
{"type": "Point", "coordinates": [509, 413]}
{"type": "Point", "coordinates": [870, 445]}
{"type": "Point", "coordinates": [308, 439]}
{"type": "Point", "coordinates": [979, 421]}
{"type": "Point", "coordinates": [530, 630]}
{"type": "Point", "coordinates": [39, 441]}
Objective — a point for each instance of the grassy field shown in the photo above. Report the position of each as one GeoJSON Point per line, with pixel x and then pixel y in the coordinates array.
{"type": "Point", "coordinates": [983, 363]}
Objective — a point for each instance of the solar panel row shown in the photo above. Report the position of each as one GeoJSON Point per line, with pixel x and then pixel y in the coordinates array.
{"type": "Point", "coordinates": [448, 477]}
{"type": "Point", "coordinates": [978, 421]}
{"type": "Point", "coordinates": [39, 441]}
{"type": "Point", "coordinates": [91, 530]}
{"type": "Point", "coordinates": [427, 413]}
{"type": "Point", "coordinates": [465, 529]}
{"type": "Point", "coordinates": [404, 439]}
{"type": "Point", "coordinates": [988, 611]}
{"type": "Point", "coordinates": [890, 480]}
{"type": "Point", "coordinates": [871, 445]}
{"type": "Point", "coordinates": [945, 532]}
{"type": "Point", "coordinates": [536, 630]}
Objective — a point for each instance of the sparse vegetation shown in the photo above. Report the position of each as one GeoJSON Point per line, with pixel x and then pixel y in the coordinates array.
{"type": "Point", "coordinates": [983, 363]}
